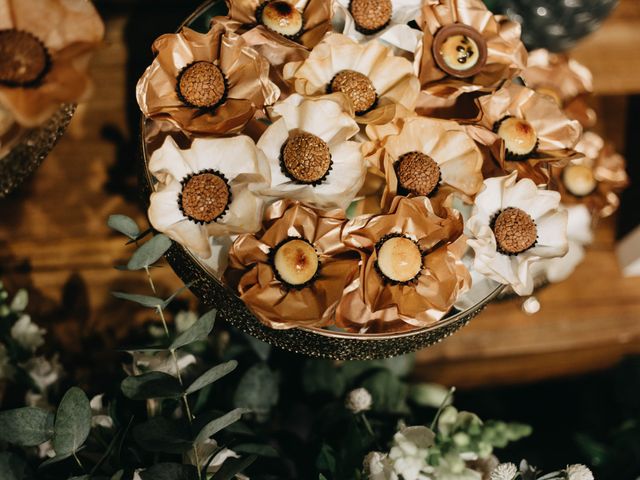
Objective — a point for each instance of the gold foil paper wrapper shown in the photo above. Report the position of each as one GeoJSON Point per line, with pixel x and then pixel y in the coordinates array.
{"type": "Point", "coordinates": [373, 305]}
{"type": "Point", "coordinates": [247, 74]}
{"type": "Point", "coordinates": [279, 307]}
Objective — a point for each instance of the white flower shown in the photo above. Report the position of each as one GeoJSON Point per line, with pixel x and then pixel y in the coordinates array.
{"type": "Point", "coordinates": [578, 472]}
{"type": "Point", "coordinates": [207, 190]}
{"type": "Point", "coordinates": [6, 369]}
{"type": "Point", "coordinates": [324, 185]}
{"type": "Point", "coordinates": [159, 362]}
{"type": "Point", "coordinates": [43, 372]}
{"type": "Point", "coordinates": [513, 226]}
{"type": "Point", "coordinates": [410, 450]}
{"type": "Point", "coordinates": [184, 320]}
{"type": "Point", "coordinates": [579, 234]}
{"type": "Point", "coordinates": [504, 471]}
{"type": "Point", "coordinates": [28, 334]}
{"type": "Point", "coordinates": [33, 399]}
{"type": "Point", "coordinates": [377, 466]}
{"type": "Point", "coordinates": [531, 306]}
{"type": "Point", "coordinates": [358, 400]}
{"type": "Point", "coordinates": [98, 411]}
{"type": "Point", "coordinates": [45, 450]}
{"type": "Point", "coordinates": [396, 33]}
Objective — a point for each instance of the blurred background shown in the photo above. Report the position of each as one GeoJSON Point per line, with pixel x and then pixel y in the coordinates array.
{"type": "Point", "coordinates": [570, 370]}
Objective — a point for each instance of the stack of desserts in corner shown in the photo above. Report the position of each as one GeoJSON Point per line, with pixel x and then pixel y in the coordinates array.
{"type": "Point", "coordinates": [360, 164]}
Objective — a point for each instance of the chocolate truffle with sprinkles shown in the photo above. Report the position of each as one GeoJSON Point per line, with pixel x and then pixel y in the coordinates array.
{"type": "Point", "coordinates": [371, 16]}
{"type": "Point", "coordinates": [306, 158]}
{"type": "Point", "coordinates": [357, 87]}
{"type": "Point", "coordinates": [417, 173]}
{"type": "Point", "coordinates": [281, 17]}
{"type": "Point", "coordinates": [202, 85]}
{"type": "Point", "coordinates": [205, 196]}
{"type": "Point", "coordinates": [24, 60]}
{"type": "Point", "coordinates": [515, 231]}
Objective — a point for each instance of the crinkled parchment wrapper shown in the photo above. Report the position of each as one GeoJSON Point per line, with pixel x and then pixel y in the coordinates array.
{"type": "Point", "coordinates": [247, 73]}
{"type": "Point", "coordinates": [609, 169]}
{"type": "Point", "coordinates": [314, 305]}
{"type": "Point", "coordinates": [370, 305]}
{"type": "Point", "coordinates": [70, 31]}
{"type": "Point", "coordinates": [506, 54]}
{"type": "Point", "coordinates": [557, 134]}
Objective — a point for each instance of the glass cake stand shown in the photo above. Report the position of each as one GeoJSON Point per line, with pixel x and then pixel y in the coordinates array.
{"type": "Point", "coordinates": [316, 342]}
{"type": "Point", "coordinates": [31, 149]}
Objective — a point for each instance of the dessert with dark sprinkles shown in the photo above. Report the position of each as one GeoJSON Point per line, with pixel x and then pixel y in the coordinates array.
{"type": "Point", "coordinates": [357, 87]}
{"type": "Point", "coordinates": [371, 16]}
{"type": "Point", "coordinates": [515, 231]}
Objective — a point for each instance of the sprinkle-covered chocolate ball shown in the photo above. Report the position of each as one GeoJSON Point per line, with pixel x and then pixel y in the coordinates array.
{"type": "Point", "coordinates": [306, 158]}
{"type": "Point", "coordinates": [281, 17]}
{"type": "Point", "coordinates": [519, 136]}
{"type": "Point", "coordinates": [371, 16]}
{"type": "Point", "coordinates": [357, 87]}
{"type": "Point", "coordinates": [201, 85]}
{"type": "Point", "coordinates": [24, 60]}
{"type": "Point", "coordinates": [579, 180]}
{"type": "Point", "coordinates": [417, 173]}
{"type": "Point", "coordinates": [296, 262]}
{"type": "Point", "coordinates": [205, 197]}
{"type": "Point", "coordinates": [399, 259]}
{"type": "Point", "coordinates": [515, 231]}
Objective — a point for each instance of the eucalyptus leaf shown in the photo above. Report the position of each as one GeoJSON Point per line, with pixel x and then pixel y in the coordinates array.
{"type": "Point", "coordinates": [219, 423]}
{"type": "Point", "coordinates": [232, 467]}
{"type": "Point", "coordinates": [256, 449]}
{"type": "Point", "coordinates": [170, 471]}
{"type": "Point", "coordinates": [125, 225]}
{"type": "Point", "coordinates": [118, 475]}
{"type": "Point", "coordinates": [144, 300]}
{"type": "Point", "coordinates": [429, 395]}
{"type": "Point", "coordinates": [81, 477]}
{"type": "Point", "coordinates": [162, 435]}
{"type": "Point", "coordinates": [212, 375]}
{"type": "Point", "coordinates": [150, 252]}
{"type": "Point", "coordinates": [200, 330]}
{"type": "Point", "coordinates": [175, 294]}
{"type": "Point", "coordinates": [257, 390]}
{"type": "Point", "coordinates": [27, 427]}
{"type": "Point", "coordinates": [320, 376]}
{"type": "Point", "coordinates": [12, 467]}
{"type": "Point", "coordinates": [261, 349]}
{"type": "Point", "coordinates": [72, 423]}
{"type": "Point", "coordinates": [388, 391]}
{"type": "Point", "coordinates": [151, 385]}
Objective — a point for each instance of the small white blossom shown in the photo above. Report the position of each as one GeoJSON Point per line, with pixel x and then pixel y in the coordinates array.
{"type": "Point", "coordinates": [205, 450]}
{"type": "Point", "coordinates": [578, 472]}
{"type": "Point", "coordinates": [358, 400]}
{"type": "Point", "coordinates": [184, 320]}
{"type": "Point", "coordinates": [33, 399]}
{"type": "Point", "coordinates": [45, 450]}
{"type": "Point", "coordinates": [43, 372]}
{"type": "Point", "coordinates": [504, 471]}
{"type": "Point", "coordinates": [377, 466]}
{"type": "Point", "coordinates": [98, 412]}
{"type": "Point", "coordinates": [410, 450]}
{"type": "Point", "coordinates": [6, 369]}
{"type": "Point", "coordinates": [28, 334]}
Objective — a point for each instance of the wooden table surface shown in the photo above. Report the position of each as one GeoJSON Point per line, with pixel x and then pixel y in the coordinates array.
{"type": "Point", "coordinates": [54, 241]}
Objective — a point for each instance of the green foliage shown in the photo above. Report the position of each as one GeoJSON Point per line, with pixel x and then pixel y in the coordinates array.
{"type": "Point", "coordinates": [151, 385]}
{"type": "Point", "coordinates": [388, 391]}
{"type": "Point", "coordinates": [199, 331]}
{"type": "Point", "coordinates": [13, 467]}
{"type": "Point", "coordinates": [163, 435]}
{"type": "Point", "coordinates": [258, 390]}
{"type": "Point", "coordinates": [125, 225]}
{"type": "Point", "coordinates": [170, 471]}
{"type": "Point", "coordinates": [231, 468]}
{"type": "Point", "coordinates": [27, 426]}
{"type": "Point", "coordinates": [212, 375]}
{"type": "Point", "coordinates": [214, 426]}
{"type": "Point", "coordinates": [149, 253]}
{"type": "Point", "coordinates": [72, 423]}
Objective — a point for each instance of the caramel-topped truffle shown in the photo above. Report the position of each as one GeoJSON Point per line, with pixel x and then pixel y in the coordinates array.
{"type": "Point", "coordinates": [459, 50]}
{"type": "Point", "coordinates": [579, 180]}
{"type": "Point", "coordinates": [305, 158]}
{"type": "Point", "coordinates": [357, 87]}
{"type": "Point", "coordinates": [202, 85]}
{"type": "Point", "coordinates": [520, 138]}
{"type": "Point", "coordinates": [399, 259]}
{"type": "Point", "coordinates": [371, 16]}
{"type": "Point", "coordinates": [295, 262]}
{"type": "Point", "coordinates": [515, 231]}
{"type": "Point", "coordinates": [24, 59]}
{"type": "Point", "coordinates": [205, 196]}
{"type": "Point", "coordinates": [417, 173]}
{"type": "Point", "coordinates": [280, 17]}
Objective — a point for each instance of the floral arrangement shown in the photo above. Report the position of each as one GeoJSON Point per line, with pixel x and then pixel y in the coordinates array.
{"type": "Point", "coordinates": [360, 165]}
{"type": "Point", "coordinates": [43, 61]}
{"type": "Point", "coordinates": [285, 418]}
